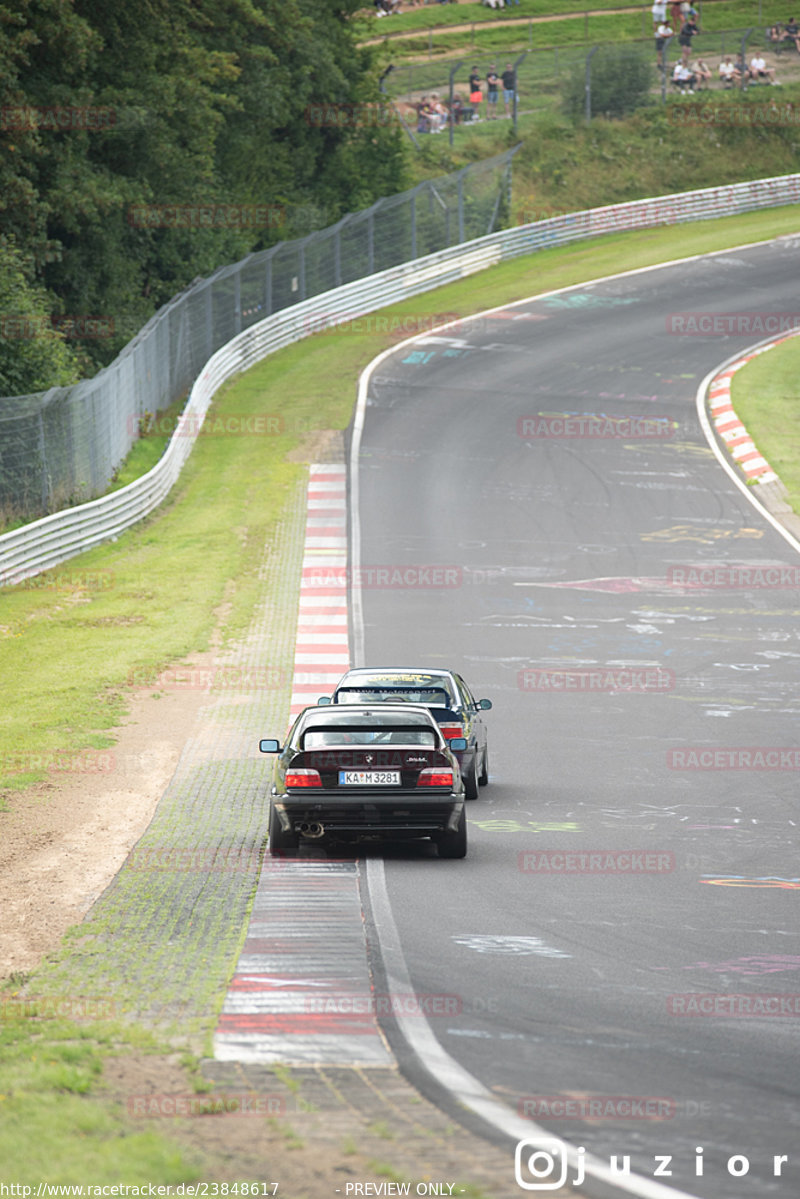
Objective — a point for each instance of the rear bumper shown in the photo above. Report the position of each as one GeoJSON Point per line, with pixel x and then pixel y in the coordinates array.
{"type": "Point", "coordinates": [387, 815]}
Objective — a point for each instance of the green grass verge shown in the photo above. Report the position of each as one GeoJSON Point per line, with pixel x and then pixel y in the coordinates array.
{"type": "Point", "coordinates": [576, 27]}
{"type": "Point", "coordinates": [55, 1125]}
{"type": "Point", "coordinates": [766, 396]}
{"type": "Point", "coordinates": [75, 636]}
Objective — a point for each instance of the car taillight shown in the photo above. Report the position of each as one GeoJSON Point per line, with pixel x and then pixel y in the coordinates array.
{"type": "Point", "coordinates": [302, 777]}
{"type": "Point", "coordinates": [435, 776]}
{"type": "Point", "coordinates": [451, 730]}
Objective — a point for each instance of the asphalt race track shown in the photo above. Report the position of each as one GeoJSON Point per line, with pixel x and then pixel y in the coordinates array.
{"type": "Point", "coordinates": [583, 977]}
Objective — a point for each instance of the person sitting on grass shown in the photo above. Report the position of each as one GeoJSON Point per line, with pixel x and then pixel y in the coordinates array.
{"type": "Point", "coordinates": [791, 34]}
{"type": "Point", "coordinates": [702, 74]}
{"type": "Point", "coordinates": [683, 78]}
{"type": "Point", "coordinates": [759, 71]}
{"type": "Point", "coordinates": [729, 75]}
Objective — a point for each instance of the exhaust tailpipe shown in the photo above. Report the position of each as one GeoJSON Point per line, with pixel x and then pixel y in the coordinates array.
{"type": "Point", "coordinates": [312, 829]}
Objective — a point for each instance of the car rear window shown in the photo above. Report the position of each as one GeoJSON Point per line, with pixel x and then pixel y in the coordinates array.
{"type": "Point", "coordinates": [433, 697]}
{"type": "Point", "coordinates": [328, 738]}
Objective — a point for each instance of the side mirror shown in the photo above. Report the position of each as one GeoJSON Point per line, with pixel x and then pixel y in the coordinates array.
{"type": "Point", "coordinates": [323, 700]}
{"type": "Point", "coordinates": [484, 704]}
{"type": "Point", "coordinates": [269, 745]}
{"type": "Point", "coordinates": [457, 745]}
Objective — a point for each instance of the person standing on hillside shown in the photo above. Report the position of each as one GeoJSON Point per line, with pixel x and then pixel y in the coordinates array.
{"type": "Point", "coordinates": [659, 11]}
{"type": "Point", "coordinates": [475, 93]}
{"type": "Point", "coordinates": [492, 84]}
{"type": "Point", "coordinates": [509, 86]}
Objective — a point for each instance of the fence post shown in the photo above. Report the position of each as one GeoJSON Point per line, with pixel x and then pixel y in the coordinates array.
{"type": "Point", "coordinates": [588, 83]}
{"type": "Point", "coordinates": [461, 237]}
{"type": "Point", "coordinates": [514, 101]}
{"type": "Point", "coordinates": [742, 84]}
{"type": "Point", "coordinates": [268, 285]}
{"type": "Point", "coordinates": [371, 241]}
{"type": "Point", "coordinates": [664, 60]}
{"type": "Point", "coordinates": [43, 459]}
{"type": "Point", "coordinates": [414, 225]}
{"type": "Point", "coordinates": [210, 347]}
{"type": "Point", "coordinates": [237, 301]}
{"type": "Point", "coordinates": [450, 119]}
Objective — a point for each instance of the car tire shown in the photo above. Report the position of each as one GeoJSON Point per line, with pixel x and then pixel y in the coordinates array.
{"type": "Point", "coordinates": [471, 779]}
{"type": "Point", "coordinates": [483, 777]}
{"type": "Point", "coordinates": [454, 845]}
{"type": "Point", "coordinates": [279, 841]}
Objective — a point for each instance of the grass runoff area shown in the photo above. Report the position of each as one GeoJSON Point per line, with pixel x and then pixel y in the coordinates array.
{"type": "Point", "coordinates": [765, 396]}
{"type": "Point", "coordinates": [68, 648]}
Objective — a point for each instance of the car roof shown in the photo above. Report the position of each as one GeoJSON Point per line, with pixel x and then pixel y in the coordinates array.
{"type": "Point", "coordinates": [383, 714]}
{"type": "Point", "coordinates": [412, 673]}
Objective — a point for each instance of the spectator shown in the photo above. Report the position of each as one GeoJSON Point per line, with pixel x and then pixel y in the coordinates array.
{"type": "Point", "coordinates": [743, 72]}
{"type": "Point", "coordinates": [683, 78]}
{"type": "Point", "coordinates": [424, 116]}
{"type": "Point", "coordinates": [440, 114]}
{"type": "Point", "coordinates": [729, 75]}
{"type": "Point", "coordinates": [509, 86]}
{"type": "Point", "coordinates": [475, 93]}
{"type": "Point", "coordinates": [775, 34]}
{"type": "Point", "coordinates": [675, 14]}
{"type": "Point", "coordinates": [492, 84]}
{"type": "Point", "coordinates": [760, 71]}
{"type": "Point", "coordinates": [663, 32]}
{"type": "Point", "coordinates": [791, 34]}
{"type": "Point", "coordinates": [659, 11]}
{"type": "Point", "coordinates": [702, 74]}
{"type": "Point", "coordinates": [689, 29]}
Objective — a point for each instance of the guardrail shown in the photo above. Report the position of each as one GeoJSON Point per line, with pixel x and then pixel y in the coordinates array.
{"type": "Point", "coordinates": [53, 539]}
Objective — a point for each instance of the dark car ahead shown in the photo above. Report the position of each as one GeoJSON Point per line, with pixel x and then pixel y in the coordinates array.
{"type": "Point", "coordinates": [361, 773]}
{"type": "Point", "coordinates": [443, 692]}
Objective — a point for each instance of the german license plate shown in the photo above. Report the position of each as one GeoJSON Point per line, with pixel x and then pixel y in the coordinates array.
{"type": "Point", "coordinates": [369, 778]}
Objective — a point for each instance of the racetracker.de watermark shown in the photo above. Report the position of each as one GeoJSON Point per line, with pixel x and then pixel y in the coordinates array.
{"type": "Point", "coordinates": [206, 216]}
{"type": "Point", "coordinates": [594, 425]}
{"type": "Point", "coordinates": [734, 114]}
{"type": "Point", "coordinates": [57, 1007]}
{"type": "Point", "coordinates": [596, 1107]}
{"type": "Point", "coordinates": [596, 679]}
{"type": "Point", "coordinates": [62, 580]}
{"type": "Point", "coordinates": [56, 118]}
{"type": "Point", "coordinates": [738, 1007]}
{"type": "Point", "coordinates": [754, 757]}
{"type": "Point", "coordinates": [214, 678]}
{"type": "Point", "coordinates": [383, 323]}
{"type": "Point", "coordinates": [722, 324]}
{"type": "Point", "coordinates": [387, 575]}
{"type": "Point", "coordinates": [732, 577]}
{"type": "Point", "coordinates": [595, 861]}
{"type": "Point", "coordinates": [356, 115]}
{"type": "Point", "coordinates": [195, 859]}
{"type": "Point", "coordinates": [214, 1103]}
{"type": "Point", "coordinates": [190, 424]}
{"type": "Point", "coordinates": [15, 327]}
{"type": "Point", "coordinates": [389, 1004]}
{"type": "Point", "coordinates": [81, 761]}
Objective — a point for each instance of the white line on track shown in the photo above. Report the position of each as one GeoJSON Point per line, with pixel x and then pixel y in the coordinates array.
{"type": "Point", "coordinates": [463, 1086]}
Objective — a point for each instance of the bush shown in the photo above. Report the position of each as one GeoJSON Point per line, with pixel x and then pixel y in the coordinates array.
{"type": "Point", "coordinates": [621, 78]}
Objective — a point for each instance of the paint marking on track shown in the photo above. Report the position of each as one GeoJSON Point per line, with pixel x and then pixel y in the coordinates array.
{"type": "Point", "coordinates": [301, 993]}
